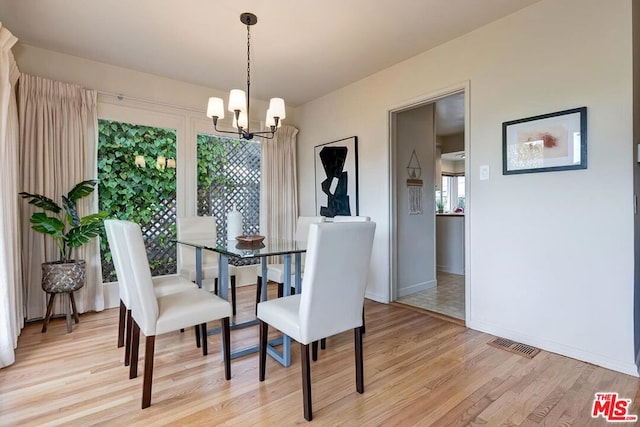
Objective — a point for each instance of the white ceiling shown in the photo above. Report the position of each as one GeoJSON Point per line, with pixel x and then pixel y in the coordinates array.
{"type": "Point", "coordinates": [301, 49]}
{"type": "Point", "coordinates": [450, 115]}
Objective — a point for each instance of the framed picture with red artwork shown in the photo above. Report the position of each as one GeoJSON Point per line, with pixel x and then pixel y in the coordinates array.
{"type": "Point", "coordinates": [545, 143]}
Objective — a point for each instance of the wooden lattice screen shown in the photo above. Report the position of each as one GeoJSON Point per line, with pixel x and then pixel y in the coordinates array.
{"type": "Point", "coordinates": [240, 187]}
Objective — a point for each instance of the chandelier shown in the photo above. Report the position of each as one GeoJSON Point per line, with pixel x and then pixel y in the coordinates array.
{"type": "Point", "coordinates": [239, 101]}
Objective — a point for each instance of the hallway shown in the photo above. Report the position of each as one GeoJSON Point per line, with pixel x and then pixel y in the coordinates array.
{"type": "Point", "coordinates": [447, 298]}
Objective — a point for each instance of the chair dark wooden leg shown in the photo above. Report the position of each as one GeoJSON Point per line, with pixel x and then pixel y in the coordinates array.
{"type": "Point", "coordinates": [205, 341]}
{"type": "Point", "coordinates": [128, 339]}
{"type": "Point", "coordinates": [48, 315]}
{"type": "Point", "coordinates": [135, 348]}
{"type": "Point", "coordinates": [149, 349]}
{"type": "Point", "coordinates": [233, 294]}
{"type": "Point", "coordinates": [280, 290]}
{"type": "Point", "coordinates": [226, 346]}
{"type": "Point", "coordinates": [323, 343]}
{"type": "Point", "coordinates": [122, 318]}
{"type": "Point", "coordinates": [359, 360]}
{"type": "Point", "coordinates": [76, 318]}
{"type": "Point", "coordinates": [215, 286]}
{"type": "Point", "coordinates": [197, 332]}
{"type": "Point", "coordinates": [306, 381]}
{"type": "Point", "coordinates": [264, 332]}
{"type": "Point", "coordinates": [314, 351]}
{"type": "Point", "coordinates": [258, 292]}
{"type": "Point", "coordinates": [362, 328]}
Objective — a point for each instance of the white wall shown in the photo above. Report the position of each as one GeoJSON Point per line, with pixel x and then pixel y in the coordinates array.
{"type": "Point", "coordinates": [416, 243]}
{"type": "Point", "coordinates": [550, 255]}
{"type": "Point", "coordinates": [450, 243]}
{"type": "Point", "coordinates": [452, 166]}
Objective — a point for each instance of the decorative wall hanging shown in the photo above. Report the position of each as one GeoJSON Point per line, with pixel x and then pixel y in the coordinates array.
{"type": "Point", "coordinates": [414, 185]}
{"type": "Point", "coordinates": [336, 175]}
{"type": "Point", "coordinates": [550, 142]}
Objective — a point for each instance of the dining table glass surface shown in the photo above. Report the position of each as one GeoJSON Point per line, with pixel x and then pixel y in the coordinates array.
{"type": "Point", "coordinates": [269, 247]}
{"type": "Point", "coordinates": [235, 249]}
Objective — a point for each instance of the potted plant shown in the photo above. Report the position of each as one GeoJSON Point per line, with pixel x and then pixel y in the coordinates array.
{"type": "Point", "coordinates": [69, 231]}
{"type": "Point", "coordinates": [439, 206]}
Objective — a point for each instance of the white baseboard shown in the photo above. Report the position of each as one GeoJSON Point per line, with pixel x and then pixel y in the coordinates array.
{"type": "Point", "coordinates": [408, 290]}
{"type": "Point", "coordinates": [376, 297]}
{"type": "Point", "coordinates": [111, 295]}
{"type": "Point", "coordinates": [449, 269]}
{"type": "Point", "coordinates": [554, 347]}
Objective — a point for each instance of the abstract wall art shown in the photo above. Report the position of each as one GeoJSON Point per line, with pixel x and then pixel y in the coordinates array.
{"type": "Point", "coordinates": [550, 142]}
{"type": "Point", "coordinates": [336, 173]}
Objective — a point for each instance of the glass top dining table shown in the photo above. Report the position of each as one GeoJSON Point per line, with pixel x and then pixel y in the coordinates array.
{"type": "Point", "coordinates": [235, 249]}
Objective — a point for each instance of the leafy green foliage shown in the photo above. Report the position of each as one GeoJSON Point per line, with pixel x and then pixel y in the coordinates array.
{"type": "Point", "coordinates": [147, 195]}
{"type": "Point", "coordinates": [42, 202]}
{"type": "Point", "coordinates": [66, 227]}
{"type": "Point", "coordinates": [129, 192]}
{"type": "Point", "coordinates": [213, 157]}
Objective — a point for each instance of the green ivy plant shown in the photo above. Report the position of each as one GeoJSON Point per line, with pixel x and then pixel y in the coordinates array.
{"type": "Point", "coordinates": [63, 224]}
{"type": "Point", "coordinates": [143, 194]}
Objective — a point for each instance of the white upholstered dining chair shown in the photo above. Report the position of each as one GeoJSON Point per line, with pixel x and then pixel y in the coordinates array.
{"type": "Point", "coordinates": [332, 297]}
{"type": "Point", "coordinates": [339, 218]}
{"type": "Point", "coordinates": [164, 285]}
{"type": "Point", "coordinates": [196, 228]}
{"type": "Point", "coordinates": [158, 315]}
{"type": "Point", "coordinates": [344, 218]}
{"type": "Point", "coordinates": [275, 272]}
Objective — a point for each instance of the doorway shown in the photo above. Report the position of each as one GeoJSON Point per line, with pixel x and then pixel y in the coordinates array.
{"type": "Point", "coordinates": [428, 246]}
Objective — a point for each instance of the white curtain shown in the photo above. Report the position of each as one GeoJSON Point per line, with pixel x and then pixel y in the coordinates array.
{"type": "Point", "coordinates": [58, 149]}
{"type": "Point", "coordinates": [279, 185]}
{"type": "Point", "coordinates": [11, 307]}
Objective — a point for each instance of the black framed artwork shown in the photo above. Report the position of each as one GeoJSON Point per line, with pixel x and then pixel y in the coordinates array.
{"type": "Point", "coordinates": [336, 177]}
{"type": "Point", "coordinates": [549, 142]}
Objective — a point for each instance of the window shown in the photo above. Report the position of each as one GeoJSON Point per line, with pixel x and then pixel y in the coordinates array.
{"type": "Point", "coordinates": [228, 175]}
{"type": "Point", "coordinates": [452, 193]}
{"type": "Point", "coordinates": [142, 193]}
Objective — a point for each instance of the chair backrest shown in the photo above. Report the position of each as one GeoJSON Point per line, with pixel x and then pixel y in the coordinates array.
{"type": "Point", "coordinates": [195, 228]}
{"type": "Point", "coordinates": [341, 218]}
{"type": "Point", "coordinates": [117, 256]}
{"type": "Point", "coordinates": [302, 226]}
{"type": "Point", "coordinates": [136, 274]}
{"type": "Point", "coordinates": [335, 278]}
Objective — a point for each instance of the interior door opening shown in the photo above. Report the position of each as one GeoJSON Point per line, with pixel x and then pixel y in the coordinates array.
{"type": "Point", "coordinates": [428, 249]}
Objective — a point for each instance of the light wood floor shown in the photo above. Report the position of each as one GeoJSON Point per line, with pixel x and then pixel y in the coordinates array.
{"type": "Point", "coordinates": [419, 370]}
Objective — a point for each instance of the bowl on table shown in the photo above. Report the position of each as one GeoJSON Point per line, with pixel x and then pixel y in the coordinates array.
{"type": "Point", "coordinates": [253, 241]}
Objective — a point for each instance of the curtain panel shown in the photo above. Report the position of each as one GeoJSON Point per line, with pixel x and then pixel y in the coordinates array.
{"type": "Point", "coordinates": [279, 185]}
{"type": "Point", "coordinates": [11, 305]}
{"type": "Point", "coordinates": [58, 149]}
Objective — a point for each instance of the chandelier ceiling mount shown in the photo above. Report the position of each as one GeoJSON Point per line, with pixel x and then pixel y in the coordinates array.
{"type": "Point", "coordinates": [239, 102]}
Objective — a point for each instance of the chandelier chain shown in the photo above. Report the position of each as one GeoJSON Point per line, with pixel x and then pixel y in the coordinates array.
{"type": "Point", "coordinates": [248, 55]}
{"type": "Point", "coordinates": [248, 72]}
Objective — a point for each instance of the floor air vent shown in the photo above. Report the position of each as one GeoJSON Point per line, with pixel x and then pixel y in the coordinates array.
{"type": "Point", "coordinates": [515, 347]}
